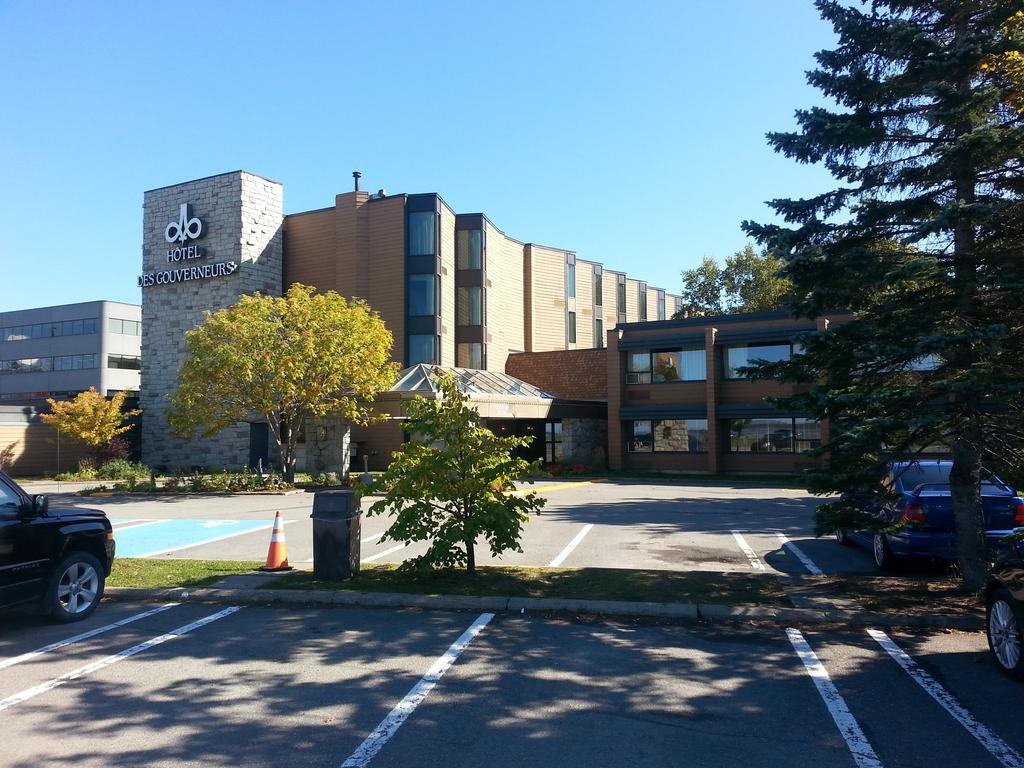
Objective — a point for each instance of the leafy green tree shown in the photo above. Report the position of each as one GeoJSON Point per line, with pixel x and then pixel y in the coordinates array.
{"type": "Point", "coordinates": [288, 359]}
{"type": "Point", "coordinates": [749, 282]}
{"type": "Point", "coordinates": [90, 418]}
{"type": "Point", "coordinates": [453, 483]}
{"type": "Point", "coordinates": [702, 290]}
{"type": "Point", "coordinates": [921, 242]}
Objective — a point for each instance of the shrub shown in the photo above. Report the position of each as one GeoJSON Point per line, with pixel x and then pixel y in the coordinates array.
{"type": "Point", "coordinates": [122, 469]}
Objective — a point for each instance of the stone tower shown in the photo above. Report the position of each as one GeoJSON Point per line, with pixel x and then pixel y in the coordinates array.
{"type": "Point", "coordinates": [205, 243]}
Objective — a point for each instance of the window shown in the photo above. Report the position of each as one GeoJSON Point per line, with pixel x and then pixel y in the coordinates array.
{"type": "Point", "coordinates": [598, 298]}
{"type": "Point", "coordinates": [468, 248]}
{"type": "Point", "coordinates": [421, 233]}
{"type": "Point", "coordinates": [665, 366]}
{"type": "Point", "coordinates": [422, 294]}
{"type": "Point", "coordinates": [572, 328]}
{"type": "Point", "coordinates": [469, 306]}
{"type": "Point", "coordinates": [10, 502]}
{"type": "Point", "coordinates": [638, 368]}
{"type": "Point", "coordinates": [553, 441]}
{"type": "Point", "coordinates": [48, 330]}
{"type": "Point", "coordinates": [127, 327]}
{"type": "Point", "coordinates": [422, 349]}
{"type": "Point", "coordinates": [642, 296]}
{"type": "Point", "coordinates": [681, 435]}
{"type": "Point", "coordinates": [124, 362]}
{"type": "Point", "coordinates": [661, 306]}
{"type": "Point", "coordinates": [778, 435]}
{"type": "Point", "coordinates": [44, 364]}
{"type": "Point", "coordinates": [620, 298]}
{"type": "Point", "coordinates": [741, 356]}
{"type": "Point", "coordinates": [598, 333]}
{"type": "Point", "coordinates": [641, 439]}
{"type": "Point", "coordinates": [470, 355]}
{"type": "Point", "coordinates": [570, 280]}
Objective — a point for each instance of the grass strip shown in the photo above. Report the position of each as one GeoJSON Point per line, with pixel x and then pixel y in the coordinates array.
{"type": "Point", "coordinates": [580, 583]}
{"type": "Point", "coordinates": [151, 573]}
{"type": "Point", "coordinates": [902, 594]}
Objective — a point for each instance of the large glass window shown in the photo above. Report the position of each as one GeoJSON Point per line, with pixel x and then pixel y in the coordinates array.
{"type": "Point", "coordinates": [661, 306]}
{"type": "Point", "coordinates": [665, 366]}
{"type": "Point", "coordinates": [598, 298]}
{"type": "Point", "coordinates": [422, 241]}
{"type": "Point", "coordinates": [422, 294]}
{"type": "Point", "coordinates": [124, 362]}
{"type": "Point", "coordinates": [469, 355]}
{"type": "Point", "coordinates": [570, 280]}
{"type": "Point", "coordinates": [422, 348]}
{"type": "Point", "coordinates": [641, 439]}
{"type": "Point", "coordinates": [572, 328]}
{"type": "Point", "coordinates": [667, 436]}
{"type": "Point", "coordinates": [779, 435]}
{"type": "Point", "coordinates": [598, 332]}
{"type": "Point", "coordinates": [44, 364]}
{"type": "Point", "coordinates": [638, 368]}
{"type": "Point", "coordinates": [741, 356]}
{"type": "Point", "coordinates": [469, 306]}
{"type": "Point", "coordinates": [553, 441]}
{"type": "Point", "coordinates": [468, 248]}
{"type": "Point", "coordinates": [47, 330]}
{"type": "Point", "coordinates": [127, 327]}
{"type": "Point", "coordinates": [620, 299]}
{"type": "Point", "coordinates": [681, 435]}
{"type": "Point", "coordinates": [642, 297]}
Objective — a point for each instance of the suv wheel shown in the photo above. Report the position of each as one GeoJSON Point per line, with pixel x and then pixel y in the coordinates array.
{"type": "Point", "coordinates": [884, 558]}
{"type": "Point", "coordinates": [1003, 627]}
{"type": "Point", "coordinates": [843, 537]}
{"type": "Point", "coordinates": [75, 587]}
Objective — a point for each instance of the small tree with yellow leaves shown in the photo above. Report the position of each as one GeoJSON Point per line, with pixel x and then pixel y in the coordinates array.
{"type": "Point", "coordinates": [91, 418]}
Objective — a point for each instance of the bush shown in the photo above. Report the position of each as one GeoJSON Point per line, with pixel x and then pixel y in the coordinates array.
{"type": "Point", "coordinates": [122, 469]}
{"type": "Point", "coordinates": [567, 469]}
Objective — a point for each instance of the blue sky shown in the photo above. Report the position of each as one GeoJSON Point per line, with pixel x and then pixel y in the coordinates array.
{"type": "Point", "coordinates": [632, 133]}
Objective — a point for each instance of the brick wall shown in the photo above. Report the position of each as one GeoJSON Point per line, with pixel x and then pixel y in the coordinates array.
{"type": "Point", "coordinates": [575, 374]}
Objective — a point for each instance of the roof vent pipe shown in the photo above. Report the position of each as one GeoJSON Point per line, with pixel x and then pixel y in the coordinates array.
{"type": "Point", "coordinates": [356, 175]}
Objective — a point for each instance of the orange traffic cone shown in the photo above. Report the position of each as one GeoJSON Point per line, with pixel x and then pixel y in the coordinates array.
{"type": "Point", "coordinates": [277, 555]}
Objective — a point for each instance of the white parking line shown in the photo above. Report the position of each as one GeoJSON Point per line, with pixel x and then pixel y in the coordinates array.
{"type": "Point", "coordinates": [808, 563]}
{"type": "Point", "coordinates": [137, 524]}
{"type": "Point", "coordinates": [84, 636]}
{"type": "Point", "coordinates": [119, 523]}
{"type": "Point", "coordinates": [570, 546]}
{"type": "Point", "coordinates": [863, 755]}
{"type": "Point", "coordinates": [755, 562]}
{"type": "Point", "coordinates": [998, 748]}
{"type": "Point", "coordinates": [380, 736]}
{"type": "Point", "coordinates": [375, 537]}
{"type": "Point", "coordinates": [88, 669]}
{"type": "Point", "coordinates": [385, 553]}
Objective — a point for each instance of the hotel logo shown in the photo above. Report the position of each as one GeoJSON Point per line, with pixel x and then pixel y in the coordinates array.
{"type": "Point", "coordinates": [187, 227]}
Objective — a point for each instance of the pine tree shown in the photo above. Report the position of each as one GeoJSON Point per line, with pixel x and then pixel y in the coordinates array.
{"type": "Point", "coordinates": [923, 243]}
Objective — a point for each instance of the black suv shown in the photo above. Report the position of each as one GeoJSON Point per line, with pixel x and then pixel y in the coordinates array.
{"type": "Point", "coordinates": [58, 556]}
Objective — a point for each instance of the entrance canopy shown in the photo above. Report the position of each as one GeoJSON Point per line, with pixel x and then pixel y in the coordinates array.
{"type": "Point", "coordinates": [422, 380]}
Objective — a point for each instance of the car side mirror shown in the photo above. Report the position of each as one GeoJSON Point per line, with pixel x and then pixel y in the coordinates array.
{"type": "Point", "coordinates": [40, 505]}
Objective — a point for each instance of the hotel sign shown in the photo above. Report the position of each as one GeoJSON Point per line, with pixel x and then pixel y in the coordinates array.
{"type": "Point", "coordinates": [177, 233]}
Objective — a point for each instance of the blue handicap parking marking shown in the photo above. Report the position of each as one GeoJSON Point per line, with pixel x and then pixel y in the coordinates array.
{"type": "Point", "coordinates": [169, 535]}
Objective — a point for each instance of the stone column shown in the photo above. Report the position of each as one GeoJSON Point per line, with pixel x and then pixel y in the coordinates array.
{"type": "Point", "coordinates": [327, 446]}
{"type": "Point", "coordinates": [231, 246]}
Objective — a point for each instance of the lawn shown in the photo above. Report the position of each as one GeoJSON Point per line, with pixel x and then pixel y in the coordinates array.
{"type": "Point", "coordinates": [164, 574]}
{"type": "Point", "coordinates": [579, 583]}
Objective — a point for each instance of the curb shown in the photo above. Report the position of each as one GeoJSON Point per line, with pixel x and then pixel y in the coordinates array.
{"type": "Point", "coordinates": [692, 611]}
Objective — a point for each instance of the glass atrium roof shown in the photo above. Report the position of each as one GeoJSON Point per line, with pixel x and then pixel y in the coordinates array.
{"type": "Point", "coordinates": [422, 379]}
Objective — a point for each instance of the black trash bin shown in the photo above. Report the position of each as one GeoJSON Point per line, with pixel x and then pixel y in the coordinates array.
{"type": "Point", "coordinates": [335, 534]}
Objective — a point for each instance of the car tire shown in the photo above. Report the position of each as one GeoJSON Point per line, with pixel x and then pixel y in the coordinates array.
{"type": "Point", "coordinates": [884, 558]}
{"type": "Point", "coordinates": [75, 589]}
{"type": "Point", "coordinates": [1004, 629]}
{"type": "Point", "coordinates": [843, 537]}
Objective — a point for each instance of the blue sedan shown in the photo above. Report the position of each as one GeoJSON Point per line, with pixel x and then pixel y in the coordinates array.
{"type": "Point", "coordinates": [926, 509]}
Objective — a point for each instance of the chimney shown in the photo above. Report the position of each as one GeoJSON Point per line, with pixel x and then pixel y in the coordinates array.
{"type": "Point", "coordinates": [356, 175]}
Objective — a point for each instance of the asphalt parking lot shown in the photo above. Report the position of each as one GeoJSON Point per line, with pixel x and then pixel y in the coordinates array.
{"type": "Point", "coordinates": [354, 687]}
{"type": "Point", "coordinates": [613, 524]}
